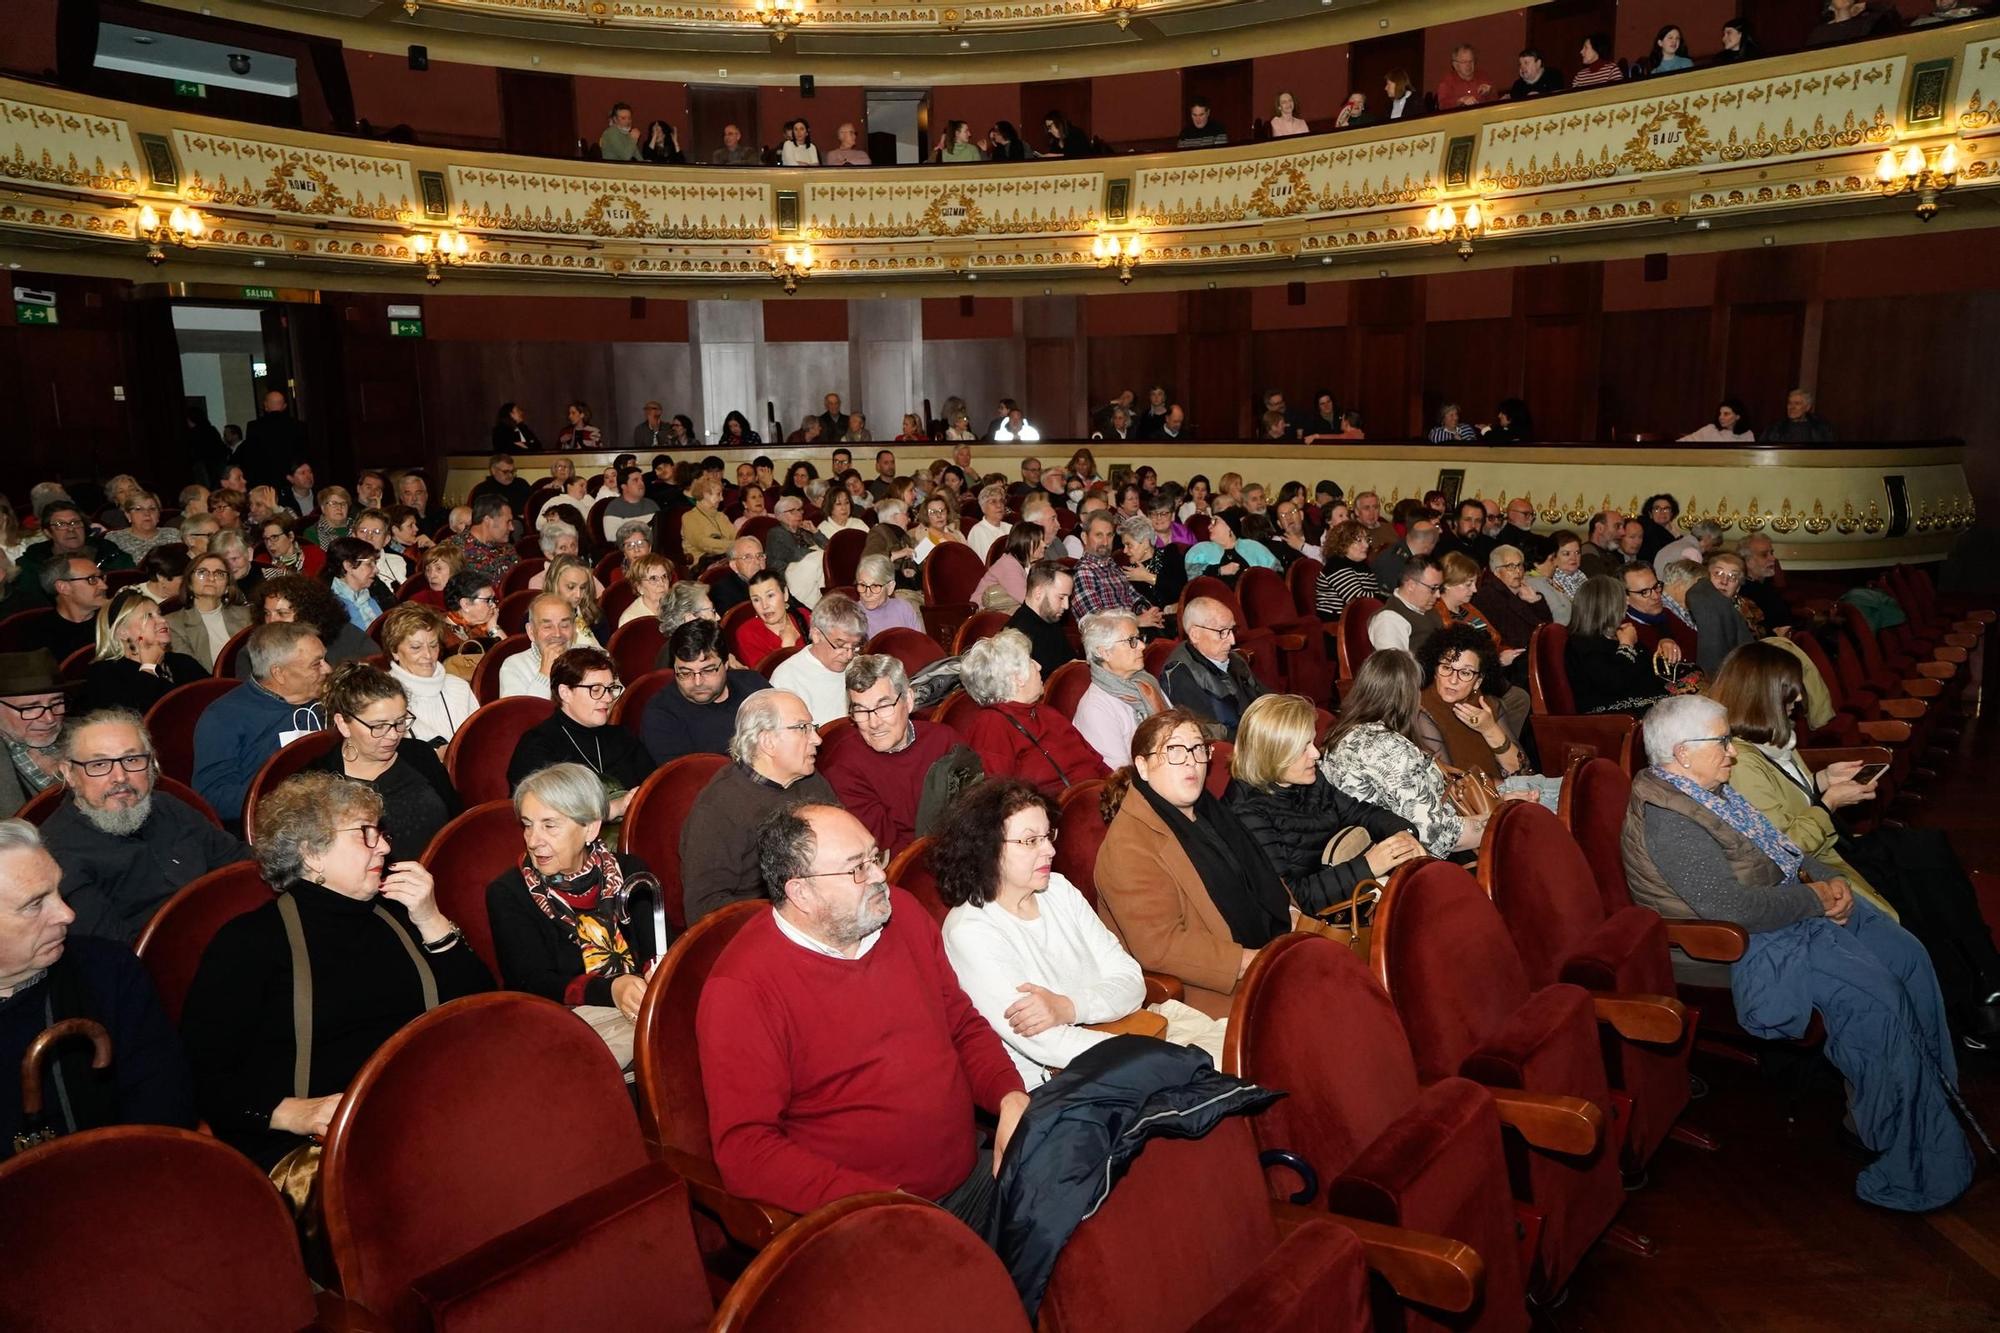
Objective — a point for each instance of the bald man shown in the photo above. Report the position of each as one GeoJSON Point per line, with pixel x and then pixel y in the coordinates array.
{"type": "Point", "coordinates": [1206, 675]}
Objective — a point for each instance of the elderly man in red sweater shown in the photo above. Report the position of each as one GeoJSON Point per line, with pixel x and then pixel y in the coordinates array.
{"type": "Point", "coordinates": [879, 766]}
{"type": "Point", "coordinates": [838, 1052]}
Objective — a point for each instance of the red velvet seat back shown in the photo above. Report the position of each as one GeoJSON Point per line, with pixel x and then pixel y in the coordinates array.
{"type": "Point", "coordinates": [1080, 830]}
{"type": "Point", "coordinates": [468, 854]}
{"type": "Point", "coordinates": [630, 710]}
{"type": "Point", "coordinates": [618, 594]}
{"type": "Point", "coordinates": [651, 830]}
{"type": "Point", "coordinates": [760, 527]}
{"type": "Point", "coordinates": [1548, 671]}
{"type": "Point", "coordinates": [225, 657]}
{"type": "Point", "coordinates": [1598, 794]}
{"type": "Point", "coordinates": [733, 621]}
{"type": "Point", "coordinates": [173, 942]}
{"type": "Point", "coordinates": [979, 625]}
{"type": "Point", "coordinates": [874, 1263]}
{"type": "Point", "coordinates": [1157, 653]}
{"type": "Point", "coordinates": [517, 578]}
{"type": "Point", "coordinates": [1266, 599]}
{"type": "Point", "coordinates": [666, 1058]}
{"type": "Point", "coordinates": [911, 872]}
{"type": "Point", "coordinates": [951, 572]}
{"type": "Point", "coordinates": [486, 676]}
{"type": "Point", "coordinates": [913, 648]}
{"type": "Point", "coordinates": [1543, 885]}
{"type": "Point", "coordinates": [447, 1139]}
{"type": "Point", "coordinates": [287, 761]}
{"type": "Point", "coordinates": [956, 712]}
{"type": "Point", "coordinates": [171, 722]}
{"type": "Point", "coordinates": [14, 628]}
{"type": "Point", "coordinates": [1066, 688]}
{"type": "Point", "coordinates": [484, 743]}
{"type": "Point", "coordinates": [1444, 957]}
{"type": "Point", "coordinates": [843, 555]}
{"type": "Point", "coordinates": [512, 614]}
{"type": "Point", "coordinates": [145, 1227]}
{"type": "Point", "coordinates": [635, 647]}
{"type": "Point", "coordinates": [1354, 645]}
{"type": "Point", "coordinates": [1302, 581]}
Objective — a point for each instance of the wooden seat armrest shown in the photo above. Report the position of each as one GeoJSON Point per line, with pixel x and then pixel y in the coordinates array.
{"type": "Point", "coordinates": [1971, 629]}
{"type": "Point", "coordinates": [1659, 1019]}
{"type": "Point", "coordinates": [1160, 987]}
{"type": "Point", "coordinates": [1949, 653]}
{"type": "Point", "coordinates": [1816, 757]}
{"type": "Point", "coordinates": [1709, 941]}
{"type": "Point", "coordinates": [1982, 616]}
{"type": "Point", "coordinates": [1912, 708]}
{"type": "Point", "coordinates": [1572, 1125]}
{"type": "Point", "coordinates": [1291, 643]}
{"type": "Point", "coordinates": [1889, 732]}
{"type": "Point", "coordinates": [1138, 1023]}
{"type": "Point", "coordinates": [1938, 670]}
{"type": "Point", "coordinates": [1962, 640]}
{"type": "Point", "coordinates": [746, 1220]}
{"type": "Point", "coordinates": [1433, 1271]}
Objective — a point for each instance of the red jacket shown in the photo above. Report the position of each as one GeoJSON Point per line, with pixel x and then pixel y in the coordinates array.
{"type": "Point", "coordinates": [1018, 741]}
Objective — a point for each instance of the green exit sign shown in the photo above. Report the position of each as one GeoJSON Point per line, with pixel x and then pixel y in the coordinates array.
{"type": "Point", "coordinates": [24, 313]}
{"type": "Point", "coordinates": [189, 88]}
{"type": "Point", "coordinates": [406, 328]}
{"type": "Point", "coordinates": [260, 293]}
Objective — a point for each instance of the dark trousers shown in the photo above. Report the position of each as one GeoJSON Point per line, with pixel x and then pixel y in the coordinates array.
{"type": "Point", "coordinates": [974, 1201]}
{"type": "Point", "coordinates": [1917, 871]}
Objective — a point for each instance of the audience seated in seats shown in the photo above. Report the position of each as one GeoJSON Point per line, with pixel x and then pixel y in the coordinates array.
{"type": "Point", "coordinates": [1694, 846]}
{"type": "Point", "coordinates": [732, 589]}
{"type": "Point", "coordinates": [1511, 605]}
{"type": "Point", "coordinates": [1676, 582]}
{"type": "Point", "coordinates": [1698, 543]}
{"type": "Point", "coordinates": [838, 514]}
{"type": "Point", "coordinates": [1028, 948]}
{"type": "Point", "coordinates": [1555, 570]}
{"type": "Point", "coordinates": [1598, 65]}
{"type": "Point", "coordinates": [243, 728]}
{"type": "Point", "coordinates": [472, 607]}
{"type": "Point", "coordinates": [698, 715]}
{"type": "Point", "coordinates": [367, 706]}
{"type": "Point", "coordinates": [706, 534]}
{"type": "Point", "coordinates": [351, 566]}
{"type": "Point", "coordinates": [552, 631]}
{"type": "Point", "coordinates": [379, 953]}
{"type": "Point", "coordinates": [439, 699]}
{"type": "Point", "coordinates": [142, 532]}
{"type": "Point", "coordinates": [795, 549]}
{"type": "Point", "coordinates": [992, 525]}
{"type": "Point", "coordinates": [894, 773]}
{"type": "Point", "coordinates": [570, 577]}
{"type": "Point", "coordinates": [1225, 554]}
{"type": "Point", "coordinates": [124, 847]}
{"type": "Point", "coordinates": [50, 973]}
{"type": "Point", "coordinates": [33, 704]}
{"type": "Point", "coordinates": [1721, 621]}
{"type": "Point", "coordinates": [1607, 673]}
{"type": "Point", "coordinates": [1469, 717]}
{"type": "Point", "coordinates": [65, 529]}
{"type": "Point", "coordinates": [838, 1053]}
{"type": "Point", "coordinates": [1454, 607]}
{"type": "Point", "coordinates": [651, 576]}
{"type": "Point", "coordinates": [1345, 574]}
{"type": "Point", "coordinates": [1100, 584]}
{"type": "Point", "coordinates": [1759, 588]}
{"type": "Point", "coordinates": [1184, 884]}
{"type": "Point", "coordinates": [1050, 587]}
{"type": "Point", "coordinates": [1911, 874]}
{"type": "Point", "coordinates": [75, 585]}
{"type": "Point", "coordinates": [875, 587]}
{"type": "Point", "coordinates": [1660, 630]}
{"type": "Point", "coordinates": [774, 750]}
{"type": "Point", "coordinates": [630, 502]}
{"type": "Point", "coordinates": [776, 625]}
{"type": "Point", "coordinates": [1409, 614]}
{"type": "Point", "coordinates": [1122, 692]}
{"type": "Point", "coordinates": [1372, 755]}
{"type": "Point", "coordinates": [565, 923]}
{"type": "Point", "coordinates": [1012, 733]}
{"type": "Point", "coordinates": [292, 599]}
{"type": "Point", "coordinates": [284, 552]}
{"type": "Point", "coordinates": [1600, 554]}
{"type": "Point", "coordinates": [818, 675]}
{"type": "Point", "coordinates": [584, 685]}
{"type": "Point", "coordinates": [1277, 791]}
{"type": "Point", "coordinates": [134, 666]}
{"type": "Point", "coordinates": [1289, 542]}
{"type": "Point", "coordinates": [1004, 586]}
{"type": "Point", "coordinates": [213, 614]}
{"type": "Point", "coordinates": [1205, 675]}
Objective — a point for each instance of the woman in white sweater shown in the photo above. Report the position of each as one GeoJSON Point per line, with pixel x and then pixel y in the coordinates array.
{"type": "Point", "coordinates": [439, 700]}
{"type": "Point", "coordinates": [1029, 951]}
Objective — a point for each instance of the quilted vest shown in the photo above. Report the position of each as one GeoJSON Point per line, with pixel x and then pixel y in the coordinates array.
{"type": "Point", "coordinates": [1649, 887]}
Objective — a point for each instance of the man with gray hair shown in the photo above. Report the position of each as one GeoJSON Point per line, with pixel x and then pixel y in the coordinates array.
{"type": "Point", "coordinates": [48, 975]}
{"type": "Point", "coordinates": [795, 550]}
{"type": "Point", "coordinates": [1102, 586]}
{"type": "Point", "coordinates": [773, 755]}
{"type": "Point", "coordinates": [1802, 425]}
{"type": "Point", "coordinates": [1206, 675]}
{"type": "Point", "coordinates": [124, 846]}
{"type": "Point", "coordinates": [818, 675]}
{"type": "Point", "coordinates": [1699, 542]}
{"type": "Point", "coordinates": [552, 631]}
{"type": "Point", "coordinates": [1420, 539]}
{"type": "Point", "coordinates": [893, 772]}
{"type": "Point", "coordinates": [1760, 582]}
{"type": "Point", "coordinates": [1600, 543]}
{"type": "Point", "coordinates": [243, 728]}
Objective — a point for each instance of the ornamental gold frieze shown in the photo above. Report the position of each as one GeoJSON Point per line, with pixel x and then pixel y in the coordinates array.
{"type": "Point", "coordinates": [53, 146]}
{"type": "Point", "coordinates": [553, 204]}
{"type": "Point", "coordinates": [1820, 189]}
{"type": "Point", "coordinates": [848, 15]}
{"type": "Point", "coordinates": [1979, 88]}
{"type": "Point", "coordinates": [1819, 111]}
{"type": "Point", "coordinates": [1317, 183]}
{"type": "Point", "coordinates": [973, 206]}
{"type": "Point", "coordinates": [283, 178]}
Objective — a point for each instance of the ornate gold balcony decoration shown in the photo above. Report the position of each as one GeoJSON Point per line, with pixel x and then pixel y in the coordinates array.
{"type": "Point", "coordinates": [1818, 522]}
{"type": "Point", "coordinates": [1752, 521]}
{"type": "Point", "coordinates": [1784, 520]}
{"type": "Point", "coordinates": [1914, 171]}
{"type": "Point", "coordinates": [182, 227]}
{"type": "Point", "coordinates": [1116, 250]}
{"type": "Point", "coordinates": [781, 16]}
{"type": "Point", "coordinates": [445, 249]}
{"type": "Point", "coordinates": [1871, 522]}
{"type": "Point", "coordinates": [1552, 512]}
{"type": "Point", "coordinates": [1445, 226]}
{"type": "Point", "coordinates": [1122, 10]}
{"type": "Point", "coordinates": [791, 263]}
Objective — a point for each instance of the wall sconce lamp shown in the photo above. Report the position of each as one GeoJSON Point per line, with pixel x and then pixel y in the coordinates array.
{"type": "Point", "coordinates": [183, 227]}
{"type": "Point", "coordinates": [1916, 172]}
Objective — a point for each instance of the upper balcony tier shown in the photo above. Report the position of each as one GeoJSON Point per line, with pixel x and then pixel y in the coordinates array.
{"type": "Point", "coordinates": [1782, 150]}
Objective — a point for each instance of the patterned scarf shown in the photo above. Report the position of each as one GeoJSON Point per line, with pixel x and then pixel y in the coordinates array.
{"type": "Point", "coordinates": [1734, 809]}
{"type": "Point", "coordinates": [1680, 612]}
{"type": "Point", "coordinates": [1569, 580]}
{"type": "Point", "coordinates": [590, 905]}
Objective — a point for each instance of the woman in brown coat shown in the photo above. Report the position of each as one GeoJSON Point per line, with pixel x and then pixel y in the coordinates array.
{"type": "Point", "coordinates": [1179, 879]}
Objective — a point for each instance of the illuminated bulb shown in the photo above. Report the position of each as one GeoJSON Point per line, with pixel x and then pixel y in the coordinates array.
{"type": "Point", "coordinates": [1472, 217]}
{"type": "Point", "coordinates": [149, 218]}
{"type": "Point", "coordinates": [1447, 219]}
{"type": "Point", "coordinates": [461, 247]}
{"type": "Point", "coordinates": [1885, 167]}
{"type": "Point", "coordinates": [1913, 161]}
{"type": "Point", "coordinates": [1947, 163]}
{"type": "Point", "coordinates": [421, 244]}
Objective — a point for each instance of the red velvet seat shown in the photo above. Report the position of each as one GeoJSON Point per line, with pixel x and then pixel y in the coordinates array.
{"type": "Point", "coordinates": [1157, 653]}
{"type": "Point", "coordinates": [1267, 606]}
{"type": "Point", "coordinates": [1443, 954]}
{"type": "Point", "coordinates": [774, 659]}
{"type": "Point", "coordinates": [635, 647]}
{"type": "Point", "coordinates": [651, 829]}
{"type": "Point", "coordinates": [171, 723]}
{"type": "Point", "coordinates": [474, 849]}
{"type": "Point", "coordinates": [610, 568]}
{"type": "Point", "coordinates": [1063, 690]}
{"type": "Point", "coordinates": [951, 572]}
{"type": "Point", "coordinates": [979, 625]}
{"type": "Point", "coordinates": [72, 668]}
{"type": "Point", "coordinates": [913, 649]}
{"type": "Point", "coordinates": [630, 710]}
{"type": "Point", "coordinates": [956, 712]}
{"type": "Point", "coordinates": [1560, 732]}
{"type": "Point", "coordinates": [760, 527]}
{"type": "Point", "coordinates": [512, 615]}
{"type": "Point", "coordinates": [732, 623]}
{"type": "Point", "coordinates": [911, 872]}
{"type": "Point", "coordinates": [874, 1263]}
{"type": "Point", "coordinates": [1548, 671]}
{"type": "Point", "coordinates": [225, 657]}
{"type": "Point", "coordinates": [1543, 885]}
{"type": "Point", "coordinates": [1130, 1269]}
{"type": "Point", "coordinates": [172, 943]}
{"type": "Point", "coordinates": [843, 555]}
{"type": "Point", "coordinates": [673, 1109]}
{"type": "Point", "coordinates": [517, 578]}
{"type": "Point", "coordinates": [1302, 581]}
{"type": "Point", "coordinates": [14, 628]}
{"type": "Point", "coordinates": [1080, 830]}
{"type": "Point", "coordinates": [457, 1197]}
{"type": "Point", "coordinates": [618, 594]}
{"type": "Point", "coordinates": [1377, 1145]}
{"type": "Point", "coordinates": [48, 800]}
{"type": "Point", "coordinates": [285, 762]}
{"type": "Point", "coordinates": [483, 746]}
{"type": "Point", "coordinates": [486, 676]}
{"type": "Point", "coordinates": [144, 1227]}
{"type": "Point", "coordinates": [1352, 643]}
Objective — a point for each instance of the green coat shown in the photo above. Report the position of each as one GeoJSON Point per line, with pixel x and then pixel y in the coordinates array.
{"type": "Point", "coordinates": [1798, 816]}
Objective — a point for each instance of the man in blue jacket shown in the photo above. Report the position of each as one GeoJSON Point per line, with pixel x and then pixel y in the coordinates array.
{"type": "Point", "coordinates": [247, 725]}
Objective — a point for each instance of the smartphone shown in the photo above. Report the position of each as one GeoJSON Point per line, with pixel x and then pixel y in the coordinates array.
{"type": "Point", "coordinates": [1869, 772]}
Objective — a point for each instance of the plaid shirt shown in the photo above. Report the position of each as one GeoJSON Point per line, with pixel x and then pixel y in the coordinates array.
{"type": "Point", "coordinates": [489, 562]}
{"type": "Point", "coordinates": [1100, 586]}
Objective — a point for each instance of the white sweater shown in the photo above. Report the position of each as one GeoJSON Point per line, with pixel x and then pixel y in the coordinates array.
{"type": "Point", "coordinates": [440, 702]}
{"type": "Point", "coordinates": [1067, 950]}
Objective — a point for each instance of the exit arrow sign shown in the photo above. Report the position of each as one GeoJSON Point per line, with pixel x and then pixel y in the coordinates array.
{"type": "Point", "coordinates": [406, 328]}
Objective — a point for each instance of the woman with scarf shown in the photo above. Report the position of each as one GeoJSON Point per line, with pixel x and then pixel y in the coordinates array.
{"type": "Point", "coordinates": [583, 682]}
{"type": "Point", "coordinates": [1122, 692]}
{"type": "Point", "coordinates": [1185, 886]}
{"type": "Point", "coordinates": [1695, 847]}
{"type": "Point", "coordinates": [1511, 605]}
{"type": "Point", "coordinates": [564, 924]}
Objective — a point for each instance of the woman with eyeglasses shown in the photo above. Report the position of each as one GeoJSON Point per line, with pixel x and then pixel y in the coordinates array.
{"type": "Point", "coordinates": [142, 531]}
{"type": "Point", "coordinates": [284, 553]}
{"type": "Point", "coordinates": [135, 663]}
{"type": "Point", "coordinates": [380, 954]}
{"type": "Point", "coordinates": [652, 578]}
{"type": "Point", "coordinates": [214, 612]}
{"type": "Point", "coordinates": [1122, 692]}
{"type": "Point", "coordinates": [471, 603]}
{"type": "Point", "coordinates": [336, 510]}
{"type": "Point", "coordinates": [1372, 754]}
{"type": "Point", "coordinates": [370, 710]}
{"type": "Point", "coordinates": [875, 589]}
{"type": "Point", "coordinates": [1033, 958]}
{"type": "Point", "coordinates": [567, 923]}
{"type": "Point", "coordinates": [1015, 733]}
{"type": "Point", "coordinates": [583, 682]}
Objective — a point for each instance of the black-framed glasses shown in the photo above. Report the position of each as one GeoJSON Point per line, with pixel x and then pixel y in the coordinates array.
{"type": "Point", "coordinates": [840, 645]}
{"type": "Point", "coordinates": [65, 523]}
{"type": "Point", "coordinates": [863, 714]}
{"type": "Point", "coordinates": [395, 726]}
{"type": "Point", "coordinates": [1459, 673]}
{"type": "Point", "coordinates": [99, 768]}
{"type": "Point", "coordinates": [1226, 631]}
{"type": "Point", "coordinates": [685, 674]}
{"type": "Point", "coordinates": [1133, 641]}
{"type": "Point", "coordinates": [1648, 590]}
{"type": "Point", "coordinates": [372, 835]}
{"type": "Point", "coordinates": [1178, 754]}
{"type": "Point", "coordinates": [1434, 587]}
{"type": "Point", "coordinates": [1728, 742]}
{"type": "Point", "coordinates": [806, 725]}
{"type": "Point", "coordinates": [858, 872]}
{"type": "Point", "coordinates": [35, 712]}
{"type": "Point", "coordinates": [94, 576]}
{"type": "Point", "coordinates": [600, 691]}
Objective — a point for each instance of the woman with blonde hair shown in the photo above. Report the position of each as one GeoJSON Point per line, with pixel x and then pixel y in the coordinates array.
{"type": "Point", "coordinates": [414, 638]}
{"type": "Point", "coordinates": [706, 534]}
{"type": "Point", "coordinates": [651, 575]}
{"type": "Point", "coordinates": [135, 663]}
{"type": "Point", "coordinates": [573, 579]}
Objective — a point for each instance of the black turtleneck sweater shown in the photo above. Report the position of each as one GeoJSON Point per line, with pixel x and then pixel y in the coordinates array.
{"type": "Point", "coordinates": [611, 751]}
{"type": "Point", "coordinates": [237, 1022]}
{"type": "Point", "coordinates": [417, 796]}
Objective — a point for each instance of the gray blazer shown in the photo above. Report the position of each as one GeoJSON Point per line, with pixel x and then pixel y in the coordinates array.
{"type": "Point", "coordinates": [190, 636]}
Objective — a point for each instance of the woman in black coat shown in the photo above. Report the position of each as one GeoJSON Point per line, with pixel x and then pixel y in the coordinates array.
{"type": "Point", "coordinates": [1280, 795]}
{"type": "Point", "coordinates": [585, 684]}
{"type": "Point", "coordinates": [368, 708]}
{"type": "Point", "coordinates": [1607, 672]}
{"type": "Point", "coordinates": [134, 667]}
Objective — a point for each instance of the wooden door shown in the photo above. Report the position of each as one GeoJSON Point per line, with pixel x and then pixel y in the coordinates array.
{"type": "Point", "coordinates": [538, 113]}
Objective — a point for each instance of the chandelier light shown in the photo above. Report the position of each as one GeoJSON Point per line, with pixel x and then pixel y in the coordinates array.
{"type": "Point", "coordinates": [1914, 171]}
{"type": "Point", "coordinates": [446, 249]}
{"type": "Point", "coordinates": [1444, 224]}
{"type": "Point", "coordinates": [781, 16]}
{"type": "Point", "coordinates": [791, 264]}
{"type": "Point", "coordinates": [1122, 253]}
{"type": "Point", "coordinates": [183, 227]}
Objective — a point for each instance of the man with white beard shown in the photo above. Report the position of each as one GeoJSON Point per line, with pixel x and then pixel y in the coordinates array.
{"type": "Point", "coordinates": [123, 846]}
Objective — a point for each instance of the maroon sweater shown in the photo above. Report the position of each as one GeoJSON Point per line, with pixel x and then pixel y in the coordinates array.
{"type": "Point", "coordinates": [1006, 753]}
{"type": "Point", "coordinates": [883, 790]}
{"type": "Point", "coordinates": [828, 1076]}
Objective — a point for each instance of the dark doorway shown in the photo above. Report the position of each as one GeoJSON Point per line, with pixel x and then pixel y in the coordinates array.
{"type": "Point", "coordinates": [538, 114]}
{"type": "Point", "coordinates": [1557, 30]}
{"type": "Point", "coordinates": [1069, 96]}
{"type": "Point", "coordinates": [710, 108]}
{"type": "Point", "coordinates": [1226, 85]}
{"type": "Point", "coordinates": [1371, 62]}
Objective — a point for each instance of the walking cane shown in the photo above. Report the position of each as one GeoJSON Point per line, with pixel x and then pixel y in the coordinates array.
{"type": "Point", "coordinates": [33, 1131]}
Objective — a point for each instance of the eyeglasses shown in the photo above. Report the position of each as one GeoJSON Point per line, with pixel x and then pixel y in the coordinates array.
{"type": "Point", "coordinates": [1648, 590]}
{"type": "Point", "coordinates": [143, 509]}
{"type": "Point", "coordinates": [1725, 576]}
{"type": "Point", "coordinates": [211, 573]}
{"type": "Point", "coordinates": [1178, 755]}
{"type": "Point", "coordinates": [395, 726]}
{"type": "Point", "coordinates": [65, 523]}
{"type": "Point", "coordinates": [697, 673]}
{"type": "Point", "coordinates": [98, 768]}
{"type": "Point", "coordinates": [863, 714]}
{"type": "Point", "coordinates": [601, 691]}
{"type": "Point", "coordinates": [1726, 741]}
{"type": "Point", "coordinates": [32, 712]}
{"type": "Point", "coordinates": [1434, 587]}
{"type": "Point", "coordinates": [1131, 641]}
{"type": "Point", "coordinates": [858, 872]}
{"type": "Point", "coordinates": [839, 645]}
{"type": "Point", "coordinates": [1508, 564]}
{"type": "Point", "coordinates": [806, 725]}
{"type": "Point", "coordinates": [1034, 840]}
{"type": "Point", "coordinates": [1226, 631]}
{"type": "Point", "coordinates": [94, 576]}
{"type": "Point", "coordinates": [1459, 673]}
{"type": "Point", "coordinates": [372, 835]}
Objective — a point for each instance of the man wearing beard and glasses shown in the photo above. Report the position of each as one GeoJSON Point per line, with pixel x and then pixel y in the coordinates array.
{"type": "Point", "coordinates": [124, 846]}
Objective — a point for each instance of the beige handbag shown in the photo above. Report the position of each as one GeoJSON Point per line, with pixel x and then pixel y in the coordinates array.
{"type": "Point", "coordinates": [1341, 847]}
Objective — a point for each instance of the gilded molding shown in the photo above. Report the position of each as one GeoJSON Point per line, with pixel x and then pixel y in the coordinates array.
{"type": "Point", "coordinates": [845, 16]}
{"type": "Point", "coordinates": [54, 146]}
{"type": "Point", "coordinates": [1979, 87]}
{"type": "Point", "coordinates": [952, 207]}
{"type": "Point", "coordinates": [548, 203]}
{"type": "Point", "coordinates": [283, 178]}
{"type": "Point", "coordinates": [1319, 181]}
